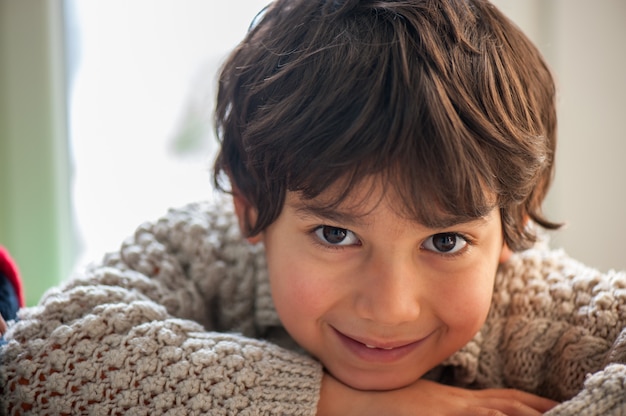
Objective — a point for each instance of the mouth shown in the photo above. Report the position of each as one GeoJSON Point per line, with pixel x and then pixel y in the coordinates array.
{"type": "Point", "coordinates": [378, 351]}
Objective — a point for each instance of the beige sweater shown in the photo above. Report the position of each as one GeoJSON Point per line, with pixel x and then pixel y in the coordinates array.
{"type": "Point", "coordinates": [180, 321]}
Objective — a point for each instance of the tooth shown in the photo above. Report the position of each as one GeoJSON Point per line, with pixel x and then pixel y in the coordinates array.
{"type": "Point", "coordinates": [378, 348]}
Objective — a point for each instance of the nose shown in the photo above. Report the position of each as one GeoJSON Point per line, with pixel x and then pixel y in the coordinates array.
{"type": "Point", "coordinates": [389, 292]}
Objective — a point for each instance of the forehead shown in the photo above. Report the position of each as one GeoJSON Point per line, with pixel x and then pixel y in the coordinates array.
{"type": "Point", "coordinates": [359, 197]}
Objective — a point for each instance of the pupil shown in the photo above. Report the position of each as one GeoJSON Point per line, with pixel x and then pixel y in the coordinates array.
{"type": "Point", "coordinates": [444, 242]}
{"type": "Point", "coordinates": [334, 235]}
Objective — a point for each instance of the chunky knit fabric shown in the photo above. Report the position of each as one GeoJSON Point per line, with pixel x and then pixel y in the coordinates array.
{"type": "Point", "coordinates": [180, 321]}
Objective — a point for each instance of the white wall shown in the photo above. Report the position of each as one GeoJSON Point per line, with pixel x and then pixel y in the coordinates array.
{"type": "Point", "coordinates": [141, 108]}
{"type": "Point", "coordinates": [585, 43]}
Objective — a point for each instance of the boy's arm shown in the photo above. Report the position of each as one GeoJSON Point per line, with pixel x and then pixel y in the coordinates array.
{"type": "Point", "coordinates": [125, 335]}
{"type": "Point", "coordinates": [132, 355]}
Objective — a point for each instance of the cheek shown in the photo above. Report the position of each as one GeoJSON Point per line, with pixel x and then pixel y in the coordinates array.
{"type": "Point", "coordinates": [464, 304]}
{"type": "Point", "coordinates": [301, 297]}
{"type": "Point", "coordinates": [472, 308]}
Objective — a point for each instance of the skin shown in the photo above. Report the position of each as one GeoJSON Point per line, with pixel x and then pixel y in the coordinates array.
{"type": "Point", "coordinates": [380, 299]}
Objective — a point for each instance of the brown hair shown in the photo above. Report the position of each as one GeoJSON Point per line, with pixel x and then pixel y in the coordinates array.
{"type": "Point", "coordinates": [446, 100]}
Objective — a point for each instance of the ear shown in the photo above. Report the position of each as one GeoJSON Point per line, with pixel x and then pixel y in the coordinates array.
{"type": "Point", "coordinates": [246, 215]}
{"type": "Point", "coordinates": [505, 253]}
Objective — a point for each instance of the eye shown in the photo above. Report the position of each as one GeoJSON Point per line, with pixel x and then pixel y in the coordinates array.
{"type": "Point", "coordinates": [335, 236]}
{"type": "Point", "coordinates": [445, 243]}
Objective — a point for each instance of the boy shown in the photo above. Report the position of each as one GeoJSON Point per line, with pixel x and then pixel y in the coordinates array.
{"type": "Point", "coordinates": [386, 158]}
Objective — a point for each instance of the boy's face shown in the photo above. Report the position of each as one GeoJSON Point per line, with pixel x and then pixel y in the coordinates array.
{"type": "Point", "coordinates": [379, 299]}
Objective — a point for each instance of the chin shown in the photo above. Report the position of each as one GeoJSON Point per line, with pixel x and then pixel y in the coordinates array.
{"type": "Point", "coordinates": [373, 381]}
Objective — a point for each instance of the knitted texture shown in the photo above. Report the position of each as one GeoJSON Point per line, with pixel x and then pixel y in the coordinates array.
{"type": "Point", "coordinates": [125, 337]}
{"type": "Point", "coordinates": [178, 322]}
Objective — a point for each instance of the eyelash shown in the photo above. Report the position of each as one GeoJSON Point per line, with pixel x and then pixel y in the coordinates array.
{"type": "Point", "coordinates": [470, 242]}
{"type": "Point", "coordinates": [317, 241]}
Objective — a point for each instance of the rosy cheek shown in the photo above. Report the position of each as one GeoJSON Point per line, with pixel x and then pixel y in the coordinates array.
{"type": "Point", "coordinates": [473, 313]}
{"type": "Point", "coordinates": [465, 306]}
{"type": "Point", "coordinates": [297, 293]}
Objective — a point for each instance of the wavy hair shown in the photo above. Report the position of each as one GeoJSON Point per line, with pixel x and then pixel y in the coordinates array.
{"type": "Point", "coordinates": [447, 101]}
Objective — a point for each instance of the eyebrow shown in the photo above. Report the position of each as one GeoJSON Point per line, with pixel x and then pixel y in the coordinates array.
{"type": "Point", "coordinates": [334, 215]}
{"type": "Point", "coordinates": [453, 221]}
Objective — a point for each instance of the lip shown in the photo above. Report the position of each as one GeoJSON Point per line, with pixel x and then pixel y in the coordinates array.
{"type": "Point", "coordinates": [378, 352]}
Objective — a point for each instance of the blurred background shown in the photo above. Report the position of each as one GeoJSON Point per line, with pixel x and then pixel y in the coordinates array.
{"type": "Point", "coordinates": [105, 121]}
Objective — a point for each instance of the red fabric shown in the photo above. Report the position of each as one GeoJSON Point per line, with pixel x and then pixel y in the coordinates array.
{"type": "Point", "coordinates": [10, 270]}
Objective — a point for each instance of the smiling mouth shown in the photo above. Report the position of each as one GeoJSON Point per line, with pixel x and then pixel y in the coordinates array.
{"type": "Point", "coordinates": [378, 352]}
{"type": "Point", "coordinates": [383, 345]}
